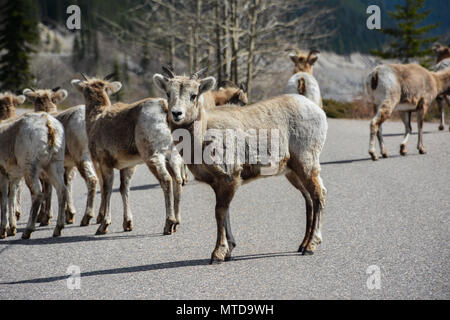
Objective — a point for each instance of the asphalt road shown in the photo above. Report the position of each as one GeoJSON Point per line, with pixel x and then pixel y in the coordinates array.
{"type": "Point", "coordinates": [393, 214]}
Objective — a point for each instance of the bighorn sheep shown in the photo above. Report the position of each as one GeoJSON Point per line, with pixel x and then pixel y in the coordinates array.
{"type": "Point", "coordinates": [32, 147]}
{"type": "Point", "coordinates": [405, 88]}
{"type": "Point", "coordinates": [77, 152]}
{"type": "Point", "coordinates": [227, 94]}
{"type": "Point", "coordinates": [8, 105]}
{"type": "Point", "coordinates": [304, 61]}
{"type": "Point", "coordinates": [302, 128]}
{"type": "Point", "coordinates": [306, 85]}
{"type": "Point", "coordinates": [442, 63]}
{"type": "Point", "coordinates": [123, 136]}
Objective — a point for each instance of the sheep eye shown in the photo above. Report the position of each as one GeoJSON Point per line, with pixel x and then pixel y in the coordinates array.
{"type": "Point", "coordinates": [193, 97]}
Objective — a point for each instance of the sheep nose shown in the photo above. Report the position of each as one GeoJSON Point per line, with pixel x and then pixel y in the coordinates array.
{"type": "Point", "coordinates": [177, 114]}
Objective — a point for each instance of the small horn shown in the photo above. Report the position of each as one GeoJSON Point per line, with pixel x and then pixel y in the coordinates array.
{"type": "Point", "coordinates": [56, 89]}
{"type": "Point", "coordinates": [33, 89]}
{"type": "Point", "coordinates": [168, 70]}
{"type": "Point", "coordinates": [84, 76]}
{"type": "Point", "coordinates": [311, 52]}
{"type": "Point", "coordinates": [198, 74]}
{"type": "Point", "coordinates": [109, 76]}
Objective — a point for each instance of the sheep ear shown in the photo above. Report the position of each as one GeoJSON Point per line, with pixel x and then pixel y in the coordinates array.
{"type": "Point", "coordinates": [207, 84]}
{"type": "Point", "coordinates": [161, 82]}
{"type": "Point", "coordinates": [28, 93]}
{"type": "Point", "coordinates": [294, 58]}
{"type": "Point", "coordinates": [243, 87]}
{"type": "Point", "coordinates": [78, 84]}
{"type": "Point", "coordinates": [313, 60]}
{"type": "Point", "coordinates": [59, 96]}
{"type": "Point", "coordinates": [20, 100]}
{"type": "Point", "coordinates": [114, 87]}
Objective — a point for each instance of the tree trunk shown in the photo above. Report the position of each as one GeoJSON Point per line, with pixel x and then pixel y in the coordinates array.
{"type": "Point", "coordinates": [227, 40]}
{"type": "Point", "coordinates": [251, 46]}
{"type": "Point", "coordinates": [197, 35]}
{"type": "Point", "coordinates": [234, 41]}
{"type": "Point", "coordinates": [171, 37]}
{"type": "Point", "coordinates": [218, 41]}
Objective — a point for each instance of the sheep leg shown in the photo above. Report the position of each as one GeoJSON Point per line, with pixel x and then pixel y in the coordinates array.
{"type": "Point", "coordinates": [46, 212]}
{"type": "Point", "coordinates": [101, 212]}
{"type": "Point", "coordinates": [448, 103]}
{"type": "Point", "coordinates": [56, 174]}
{"type": "Point", "coordinates": [18, 200]}
{"type": "Point", "coordinates": [177, 171]}
{"type": "Point", "coordinates": [37, 197]}
{"type": "Point", "coordinates": [318, 194]}
{"type": "Point", "coordinates": [157, 165]}
{"type": "Point", "coordinates": [382, 114]}
{"type": "Point", "coordinates": [297, 183]}
{"type": "Point", "coordinates": [406, 118]}
{"type": "Point", "coordinates": [440, 101]}
{"type": "Point", "coordinates": [224, 195]}
{"type": "Point", "coordinates": [230, 237]}
{"type": "Point", "coordinates": [4, 206]}
{"type": "Point", "coordinates": [383, 149]}
{"type": "Point", "coordinates": [420, 119]}
{"type": "Point", "coordinates": [125, 178]}
{"type": "Point", "coordinates": [12, 203]}
{"type": "Point", "coordinates": [87, 171]}
{"type": "Point", "coordinates": [108, 181]}
{"type": "Point", "coordinates": [69, 176]}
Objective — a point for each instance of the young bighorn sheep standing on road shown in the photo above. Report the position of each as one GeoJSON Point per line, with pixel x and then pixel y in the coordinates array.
{"type": "Point", "coordinates": [123, 136]}
{"type": "Point", "coordinates": [405, 88]}
{"type": "Point", "coordinates": [77, 151]}
{"type": "Point", "coordinates": [442, 63]}
{"type": "Point", "coordinates": [31, 147]}
{"type": "Point", "coordinates": [302, 128]}
{"type": "Point", "coordinates": [8, 105]}
{"type": "Point", "coordinates": [303, 81]}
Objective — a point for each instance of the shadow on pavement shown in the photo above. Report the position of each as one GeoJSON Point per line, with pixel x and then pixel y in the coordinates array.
{"type": "Point", "coordinates": [152, 267]}
{"type": "Point", "coordinates": [138, 188]}
{"type": "Point", "coordinates": [73, 239]}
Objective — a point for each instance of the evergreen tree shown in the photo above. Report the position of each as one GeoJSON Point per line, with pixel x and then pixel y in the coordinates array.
{"type": "Point", "coordinates": [410, 35]}
{"type": "Point", "coordinates": [18, 37]}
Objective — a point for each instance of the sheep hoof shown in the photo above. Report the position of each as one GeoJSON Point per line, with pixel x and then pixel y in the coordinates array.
{"type": "Point", "coordinates": [26, 235]}
{"type": "Point", "coordinates": [128, 226]}
{"type": "Point", "coordinates": [70, 217]}
{"type": "Point", "coordinates": [374, 156]}
{"type": "Point", "coordinates": [307, 252]}
{"type": "Point", "coordinates": [441, 128]}
{"type": "Point", "coordinates": [45, 222]}
{"type": "Point", "coordinates": [422, 151]}
{"type": "Point", "coordinates": [403, 150]}
{"type": "Point", "coordinates": [103, 229]}
{"type": "Point", "coordinates": [12, 232]}
{"type": "Point", "coordinates": [57, 232]}
{"type": "Point", "coordinates": [86, 221]}
{"type": "Point", "coordinates": [170, 227]}
{"type": "Point", "coordinates": [18, 215]}
{"type": "Point", "coordinates": [385, 155]}
{"type": "Point", "coordinates": [301, 249]}
{"type": "Point", "coordinates": [2, 233]}
{"type": "Point", "coordinates": [216, 261]}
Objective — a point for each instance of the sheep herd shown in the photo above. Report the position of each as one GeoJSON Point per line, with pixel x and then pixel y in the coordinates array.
{"type": "Point", "coordinates": [44, 147]}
